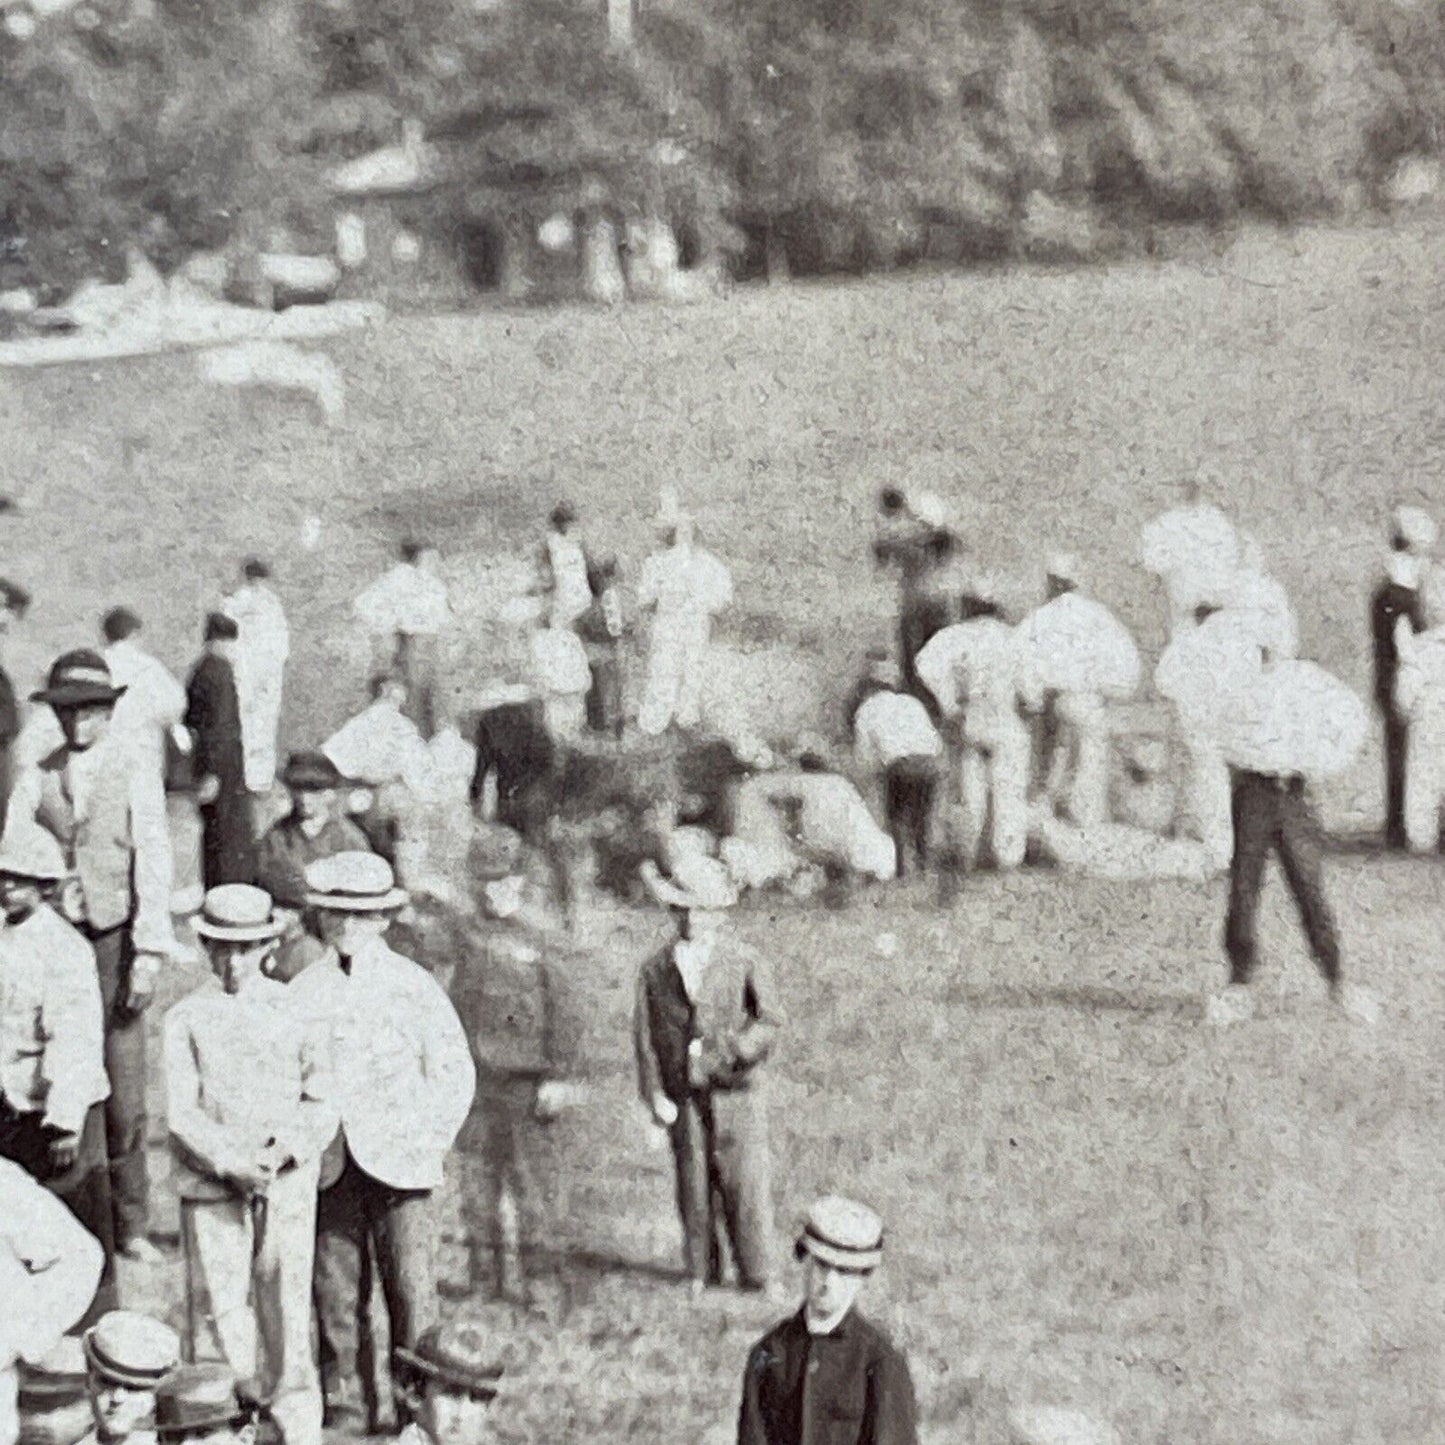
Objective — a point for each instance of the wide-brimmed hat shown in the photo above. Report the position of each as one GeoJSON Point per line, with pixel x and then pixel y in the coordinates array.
{"type": "Point", "coordinates": [693, 881]}
{"type": "Point", "coordinates": [495, 853]}
{"type": "Point", "coordinates": [312, 772]}
{"type": "Point", "coordinates": [353, 883]}
{"type": "Point", "coordinates": [843, 1233]}
{"type": "Point", "coordinates": [132, 1350]}
{"type": "Point", "coordinates": [54, 1381]}
{"type": "Point", "coordinates": [199, 1397]}
{"type": "Point", "coordinates": [79, 679]}
{"type": "Point", "coordinates": [238, 913]}
{"type": "Point", "coordinates": [456, 1355]}
{"type": "Point", "coordinates": [28, 851]}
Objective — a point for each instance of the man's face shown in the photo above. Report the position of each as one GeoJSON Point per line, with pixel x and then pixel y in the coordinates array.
{"type": "Point", "coordinates": [453, 1417]}
{"type": "Point", "coordinates": [83, 726]}
{"type": "Point", "coordinates": [19, 897]}
{"type": "Point", "coordinates": [313, 805]}
{"type": "Point", "coordinates": [237, 965]}
{"type": "Point", "coordinates": [830, 1291]}
{"type": "Point", "coordinates": [119, 1410]}
{"type": "Point", "coordinates": [349, 933]}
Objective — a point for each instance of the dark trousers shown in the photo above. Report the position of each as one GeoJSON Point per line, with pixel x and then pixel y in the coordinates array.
{"type": "Point", "coordinates": [1397, 732]}
{"type": "Point", "coordinates": [604, 697]}
{"type": "Point", "coordinates": [909, 788]}
{"type": "Point", "coordinates": [228, 840]}
{"type": "Point", "coordinates": [84, 1187]}
{"type": "Point", "coordinates": [358, 1217]}
{"type": "Point", "coordinates": [1274, 814]}
{"type": "Point", "coordinates": [724, 1188]}
{"type": "Point", "coordinates": [415, 661]}
{"type": "Point", "coordinates": [919, 620]}
{"type": "Point", "coordinates": [125, 1064]}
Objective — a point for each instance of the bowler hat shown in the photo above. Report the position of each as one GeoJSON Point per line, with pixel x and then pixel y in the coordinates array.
{"type": "Point", "coordinates": [843, 1233]}
{"type": "Point", "coordinates": [28, 851]}
{"type": "Point", "coordinates": [312, 772]}
{"type": "Point", "coordinates": [238, 913]}
{"type": "Point", "coordinates": [131, 1350]}
{"type": "Point", "coordinates": [79, 679]}
{"type": "Point", "coordinates": [693, 881]}
{"type": "Point", "coordinates": [456, 1355]}
{"type": "Point", "coordinates": [353, 883]}
{"type": "Point", "coordinates": [198, 1398]}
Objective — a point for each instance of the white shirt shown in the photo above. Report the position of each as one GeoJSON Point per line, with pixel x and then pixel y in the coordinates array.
{"type": "Point", "coordinates": [242, 1069]}
{"type": "Point", "coordinates": [51, 1036]}
{"type": "Point", "coordinates": [379, 745]}
{"type": "Point", "coordinates": [265, 640]}
{"type": "Point", "coordinates": [402, 1068]}
{"type": "Point", "coordinates": [559, 662]}
{"type": "Point", "coordinates": [154, 702]}
{"type": "Point", "coordinates": [893, 725]}
{"type": "Point", "coordinates": [685, 580]}
{"type": "Point", "coordinates": [979, 668]}
{"type": "Point", "coordinates": [571, 592]}
{"type": "Point", "coordinates": [405, 599]}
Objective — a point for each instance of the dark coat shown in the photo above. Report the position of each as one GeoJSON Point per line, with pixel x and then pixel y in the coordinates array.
{"type": "Point", "coordinates": [848, 1388]}
{"type": "Point", "coordinates": [213, 715]}
{"type": "Point", "coordinates": [1389, 604]}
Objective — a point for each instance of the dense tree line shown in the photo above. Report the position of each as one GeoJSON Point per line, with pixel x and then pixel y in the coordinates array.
{"type": "Point", "coordinates": [833, 132]}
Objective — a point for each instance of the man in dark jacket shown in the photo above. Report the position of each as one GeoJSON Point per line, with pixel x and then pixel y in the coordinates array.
{"type": "Point", "coordinates": [826, 1375]}
{"type": "Point", "coordinates": [515, 994]}
{"type": "Point", "coordinates": [213, 715]}
{"type": "Point", "coordinates": [1398, 597]}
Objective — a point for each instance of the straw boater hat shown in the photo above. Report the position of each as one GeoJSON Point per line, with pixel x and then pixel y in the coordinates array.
{"type": "Point", "coordinates": [843, 1233]}
{"type": "Point", "coordinates": [353, 883]}
{"type": "Point", "coordinates": [31, 852]}
{"type": "Point", "coordinates": [132, 1350]}
{"type": "Point", "coordinates": [693, 881]}
{"type": "Point", "coordinates": [455, 1355]}
{"type": "Point", "coordinates": [79, 679]}
{"type": "Point", "coordinates": [196, 1398]}
{"type": "Point", "coordinates": [238, 913]}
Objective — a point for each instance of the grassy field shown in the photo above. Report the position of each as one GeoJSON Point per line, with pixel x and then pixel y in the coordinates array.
{"type": "Point", "coordinates": [1210, 1239]}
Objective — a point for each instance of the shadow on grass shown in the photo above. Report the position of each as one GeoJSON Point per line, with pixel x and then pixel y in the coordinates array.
{"type": "Point", "coordinates": [1087, 998]}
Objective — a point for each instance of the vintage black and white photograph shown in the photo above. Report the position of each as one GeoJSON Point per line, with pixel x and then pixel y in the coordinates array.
{"type": "Point", "coordinates": [722, 722]}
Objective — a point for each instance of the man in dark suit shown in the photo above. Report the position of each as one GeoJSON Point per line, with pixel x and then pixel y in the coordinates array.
{"type": "Point", "coordinates": [1397, 598]}
{"type": "Point", "coordinates": [213, 714]}
{"type": "Point", "coordinates": [826, 1375]}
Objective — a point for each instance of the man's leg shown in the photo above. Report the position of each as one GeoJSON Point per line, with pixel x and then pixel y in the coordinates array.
{"type": "Point", "coordinates": [895, 809]}
{"type": "Point", "coordinates": [973, 775]}
{"type": "Point", "coordinates": [283, 1273]}
{"type": "Point", "coordinates": [125, 1110]}
{"type": "Point", "coordinates": [1422, 787]}
{"type": "Point", "coordinates": [693, 671]}
{"type": "Point", "coordinates": [1301, 855]}
{"type": "Point", "coordinates": [744, 1172]}
{"type": "Point", "coordinates": [1008, 792]}
{"type": "Point", "coordinates": [85, 1188]}
{"type": "Point", "coordinates": [341, 1246]}
{"type": "Point", "coordinates": [216, 1242]}
{"type": "Point", "coordinates": [1396, 778]}
{"type": "Point", "coordinates": [1089, 788]}
{"type": "Point", "coordinates": [925, 790]}
{"type": "Point", "coordinates": [1254, 812]}
{"type": "Point", "coordinates": [694, 1203]}
{"type": "Point", "coordinates": [404, 1229]}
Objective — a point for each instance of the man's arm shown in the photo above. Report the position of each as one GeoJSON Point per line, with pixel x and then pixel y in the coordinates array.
{"type": "Point", "coordinates": [649, 1077]}
{"type": "Point", "coordinates": [451, 1075]}
{"type": "Point", "coordinates": [206, 1144]}
{"type": "Point", "coordinates": [317, 1117]}
{"type": "Point", "coordinates": [754, 1041]}
{"type": "Point", "coordinates": [752, 1423]}
{"type": "Point", "coordinates": [73, 1064]}
{"type": "Point", "coordinates": [891, 1414]}
{"type": "Point", "coordinates": [151, 839]}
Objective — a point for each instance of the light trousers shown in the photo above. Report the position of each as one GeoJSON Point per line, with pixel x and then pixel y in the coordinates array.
{"type": "Point", "coordinates": [1424, 782]}
{"type": "Point", "coordinates": [1206, 810]}
{"type": "Point", "coordinates": [249, 1300]}
{"type": "Point", "coordinates": [675, 666]}
{"type": "Point", "coordinates": [1079, 774]}
{"type": "Point", "coordinates": [994, 787]}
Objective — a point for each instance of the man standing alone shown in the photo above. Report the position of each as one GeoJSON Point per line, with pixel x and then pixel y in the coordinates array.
{"type": "Point", "coordinates": [109, 816]}
{"type": "Point", "coordinates": [213, 714]}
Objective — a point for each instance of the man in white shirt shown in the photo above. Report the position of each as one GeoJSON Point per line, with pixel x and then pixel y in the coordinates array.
{"type": "Point", "coordinates": [260, 658]}
{"type": "Point", "coordinates": [564, 568]}
{"type": "Point", "coordinates": [154, 702]}
{"type": "Point", "coordinates": [249, 1117]}
{"type": "Point", "coordinates": [894, 737]}
{"type": "Point", "coordinates": [406, 611]}
{"type": "Point", "coordinates": [108, 813]}
{"type": "Point", "coordinates": [403, 1083]}
{"type": "Point", "coordinates": [49, 1266]}
{"type": "Point", "coordinates": [52, 1062]}
{"type": "Point", "coordinates": [1195, 551]}
{"type": "Point", "coordinates": [685, 587]}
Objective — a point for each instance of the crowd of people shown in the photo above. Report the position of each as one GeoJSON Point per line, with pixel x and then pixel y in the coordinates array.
{"type": "Point", "coordinates": [390, 923]}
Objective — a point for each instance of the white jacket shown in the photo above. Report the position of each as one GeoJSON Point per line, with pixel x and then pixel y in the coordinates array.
{"type": "Point", "coordinates": [402, 1072]}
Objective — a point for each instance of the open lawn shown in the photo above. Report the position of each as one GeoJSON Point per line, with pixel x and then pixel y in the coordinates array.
{"type": "Point", "coordinates": [1212, 1239]}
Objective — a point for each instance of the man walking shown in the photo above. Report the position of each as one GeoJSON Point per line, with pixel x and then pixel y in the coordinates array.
{"type": "Point", "coordinates": [519, 1008]}
{"type": "Point", "coordinates": [704, 1023]}
{"type": "Point", "coordinates": [249, 1117]}
{"type": "Point", "coordinates": [404, 1081]}
{"type": "Point", "coordinates": [1398, 597]}
{"type": "Point", "coordinates": [52, 1052]}
{"type": "Point", "coordinates": [826, 1375]}
{"type": "Point", "coordinates": [109, 816]}
{"type": "Point", "coordinates": [213, 715]}
{"type": "Point", "coordinates": [262, 649]}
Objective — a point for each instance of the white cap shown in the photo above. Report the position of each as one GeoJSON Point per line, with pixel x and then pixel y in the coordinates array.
{"type": "Point", "coordinates": [1416, 528]}
{"type": "Point", "coordinates": [31, 852]}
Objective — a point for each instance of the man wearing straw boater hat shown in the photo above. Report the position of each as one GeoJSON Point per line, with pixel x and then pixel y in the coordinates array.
{"type": "Point", "coordinates": [127, 1355]}
{"type": "Point", "coordinates": [404, 1081]}
{"type": "Point", "coordinates": [453, 1379]}
{"type": "Point", "coordinates": [109, 815]}
{"type": "Point", "coordinates": [52, 1059]}
{"type": "Point", "coordinates": [826, 1375]}
{"type": "Point", "coordinates": [248, 1104]}
{"type": "Point", "coordinates": [704, 1024]}
{"type": "Point", "coordinates": [204, 1403]}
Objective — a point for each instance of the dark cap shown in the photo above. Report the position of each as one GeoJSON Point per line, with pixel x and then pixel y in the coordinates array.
{"type": "Point", "coordinates": [255, 569]}
{"type": "Point", "coordinates": [220, 628]}
{"type": "Point", "coordinates": [118, 624]}
{"type": "Point", "coordinates": [312, 772]}
{"type": "Point", "coordinates": [79, 679]}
